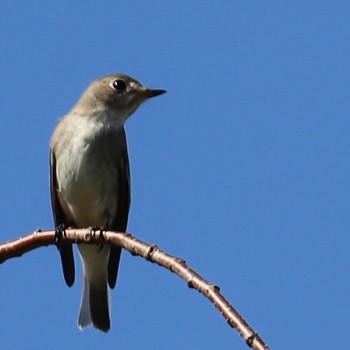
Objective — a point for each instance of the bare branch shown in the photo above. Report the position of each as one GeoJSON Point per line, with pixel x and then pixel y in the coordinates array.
{"type": "Point", "coordinates": [149, 252]}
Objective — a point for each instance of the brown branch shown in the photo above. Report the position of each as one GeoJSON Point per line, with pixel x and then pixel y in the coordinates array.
{"type": "Point", "coordinates": [149, 252]}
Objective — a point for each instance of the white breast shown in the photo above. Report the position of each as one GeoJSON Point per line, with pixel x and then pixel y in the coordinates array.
{"type": "Point", "coordinates": [87, 172]}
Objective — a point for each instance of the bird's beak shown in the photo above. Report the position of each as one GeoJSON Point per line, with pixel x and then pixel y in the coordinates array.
{"type": "Point", "coordinates": [148, 93]}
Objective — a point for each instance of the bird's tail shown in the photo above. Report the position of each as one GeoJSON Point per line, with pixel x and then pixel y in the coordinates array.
{"type": "Point", "coordinates": [94, 307]}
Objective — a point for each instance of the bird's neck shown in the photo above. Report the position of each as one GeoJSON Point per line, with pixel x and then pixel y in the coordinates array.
{"type": "Point", "coordinates": [105, 117]}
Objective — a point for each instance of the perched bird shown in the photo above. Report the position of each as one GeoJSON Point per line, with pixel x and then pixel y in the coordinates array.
{"type": "Point", "coordinates": [90, 184]}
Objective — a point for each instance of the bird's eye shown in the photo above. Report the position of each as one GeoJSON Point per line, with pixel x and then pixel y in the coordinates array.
{"type": "Point", "coordinates": [119, 85]}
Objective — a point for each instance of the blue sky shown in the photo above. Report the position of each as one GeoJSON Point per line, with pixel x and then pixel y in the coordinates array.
{"type": "Point", "coordinates": [242, 168]}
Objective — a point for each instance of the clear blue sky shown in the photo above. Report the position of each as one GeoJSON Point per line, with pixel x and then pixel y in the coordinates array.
{"type": "Point", "coordinates": [242, 168]}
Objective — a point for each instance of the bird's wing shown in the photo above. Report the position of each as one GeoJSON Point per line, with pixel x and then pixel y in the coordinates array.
{"type": "Point", "coordinates": [121, 219]}
{"type": "Point", "coordinates": [65, 249]}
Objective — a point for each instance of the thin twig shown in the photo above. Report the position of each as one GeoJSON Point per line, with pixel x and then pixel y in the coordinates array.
{"type": "Point", "coordinates": [149, 252]}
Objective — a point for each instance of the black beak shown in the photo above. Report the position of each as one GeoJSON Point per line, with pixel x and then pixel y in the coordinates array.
{"type": "Point", "coordinates": [148, 93]}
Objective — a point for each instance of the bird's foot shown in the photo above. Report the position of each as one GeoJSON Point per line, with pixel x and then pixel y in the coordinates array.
{"type": "Point", "coordinates": [98, 232]}
{"type": "Point", "coordinates": [60, 231]}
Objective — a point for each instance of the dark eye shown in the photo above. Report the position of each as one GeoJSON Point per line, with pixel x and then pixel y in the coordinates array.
{"type": "Point", "coordinates": [119, 85]}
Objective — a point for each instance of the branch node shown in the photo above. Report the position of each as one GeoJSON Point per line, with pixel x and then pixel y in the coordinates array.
{"type": "Point", "coordinates": [252, 340]}
{"type": "Point", "coordinates": [229, 323]}
{"type": "Point", "coordinates": [215, 287]}
{"type": "Point", "coordinates": [190, 284]}
{"type": "Point", "coordinates": [152, 249]}
{"type": "Point", "coordinates": [180, 261]}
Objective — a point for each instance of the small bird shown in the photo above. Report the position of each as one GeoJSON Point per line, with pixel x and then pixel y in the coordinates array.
{"type": "Point", "coordinates": [90, 184]}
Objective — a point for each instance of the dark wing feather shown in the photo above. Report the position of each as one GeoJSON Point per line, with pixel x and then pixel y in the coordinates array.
{"type": "Point", "coordinates": [66, 250]}
{"type": "Point", "coordinates": [120, 221]}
